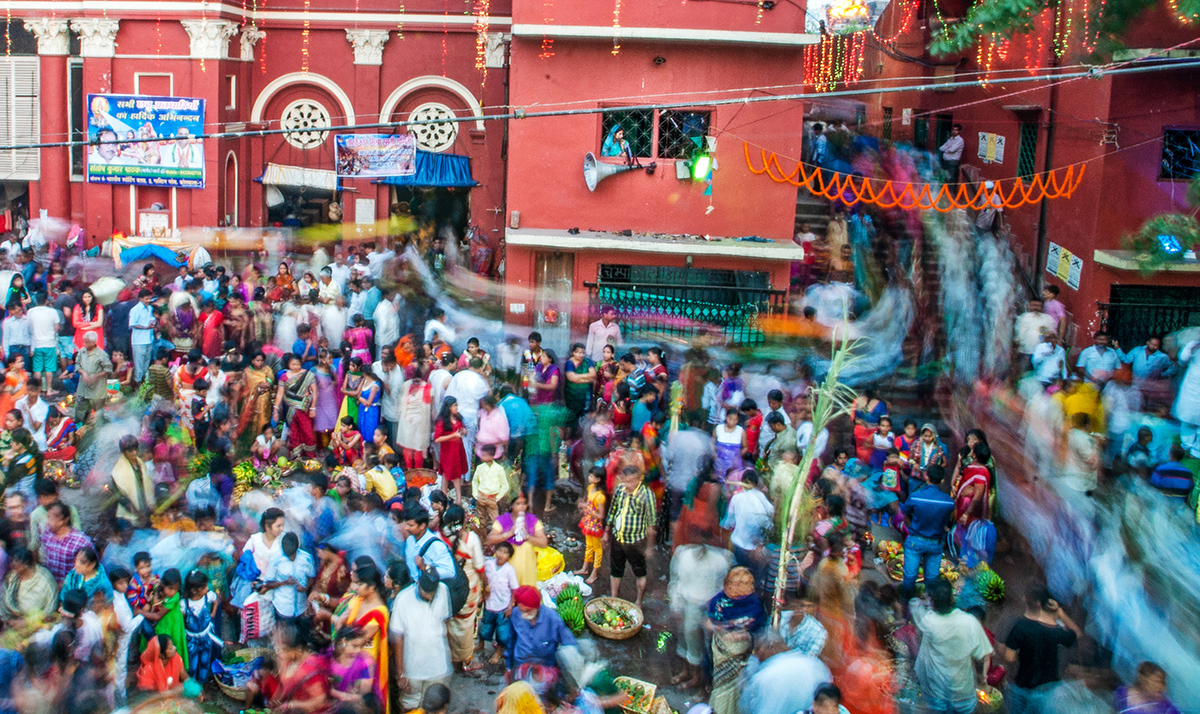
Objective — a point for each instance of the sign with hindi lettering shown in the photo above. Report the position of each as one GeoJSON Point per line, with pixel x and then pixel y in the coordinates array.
{"type": "Point", "coordinates": [145, 141]}
{"type": "Point", "coordinates": [375, 155]}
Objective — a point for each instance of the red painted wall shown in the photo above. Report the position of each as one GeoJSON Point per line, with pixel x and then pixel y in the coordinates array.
{"type": "Point", "coordinates": [693, 14]}
{"type": "Point", "coordinates": [545, 159]}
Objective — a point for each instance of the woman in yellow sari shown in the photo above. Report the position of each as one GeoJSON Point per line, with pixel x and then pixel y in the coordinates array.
{"type": "Point", "coordinates": [259, 391]}
{"type": "Point", "coordinates": [367, 611]}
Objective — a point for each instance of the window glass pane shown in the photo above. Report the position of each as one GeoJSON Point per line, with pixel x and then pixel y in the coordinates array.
{"type": "Point", "coordinates": [1180, 153]}
{"type": "Point", "coordinates": [676, 130]}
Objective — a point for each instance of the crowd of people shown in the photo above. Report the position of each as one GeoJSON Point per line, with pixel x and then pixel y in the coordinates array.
{"type": "Point", "coordinates": [305, 463]}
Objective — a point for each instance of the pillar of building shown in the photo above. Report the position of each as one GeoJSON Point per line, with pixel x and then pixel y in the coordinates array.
{"type": "Point", "coordinates": [97, 46]}
{"type": "Point", "coordinates": [210, 56]}
{"type": "Point", "coordinates": [52, 192]}
{"type": "Point", "coordinates": [368, 64]}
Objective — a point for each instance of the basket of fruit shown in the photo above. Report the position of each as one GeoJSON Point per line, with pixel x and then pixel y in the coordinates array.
{"type": "Point", "coordinates": [613, 618]}
{"type": "Point", "coordinates": [241, 657]}
{"type": "Point", "coordinates": [420, 477]}
{"type": "Point", "coordinates": [641, 694]}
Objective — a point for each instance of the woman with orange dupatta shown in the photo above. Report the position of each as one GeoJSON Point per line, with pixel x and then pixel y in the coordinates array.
{"type": "Point", "coordinates": [15, 379]}
{"type": "Point", "coordinates": [368, 612]}
{"type": "Point", "coordinates": [303, 674]}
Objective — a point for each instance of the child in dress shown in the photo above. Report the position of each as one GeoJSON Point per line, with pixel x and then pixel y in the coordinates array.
{"type": "Point", "coordinates": [883, 489]}
{"type": "Point", "coordinates": [592, 523]}
{"type": "Point", "coordinates": [266, 447]}
{"type": "Point", "coordinates": [351, 673]}
{"type": "Point", "coordinates": [347, 442]}
{"type": "Point", "coordinates": [142, 582]}
{"type": "Point", "coordinates": [203, 643]}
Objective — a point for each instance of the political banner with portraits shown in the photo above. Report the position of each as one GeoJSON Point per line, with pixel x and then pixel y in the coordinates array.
{"type": "Point", "coordinates": [145, 141]}
{"type": "Point", "coordinates": [375, 155]}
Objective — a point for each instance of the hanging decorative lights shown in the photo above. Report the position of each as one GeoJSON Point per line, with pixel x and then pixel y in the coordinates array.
{"type": "Point", "coordinates": [547, 41]}
{"type": "Point", "coordinates": [837, 58]}
{"type": "Point", "coordinates": [304, 33]}
{"type": "Point", "coordinates": [617, 28]}
{"type": "Point", "coordinates": [482, 21]}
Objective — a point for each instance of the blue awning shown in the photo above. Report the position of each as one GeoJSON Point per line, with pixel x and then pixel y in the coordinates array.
{"type": "Point", "coordinates": [436, 171]}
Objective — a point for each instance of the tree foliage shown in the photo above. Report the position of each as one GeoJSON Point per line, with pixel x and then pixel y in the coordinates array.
{"type": "Point", "coordinates": [1008, 18]}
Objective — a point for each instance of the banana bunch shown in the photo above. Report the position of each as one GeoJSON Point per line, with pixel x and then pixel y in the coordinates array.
{"type": "Point", "coordinates": [990, 585]}
{"type": "Point", "coordinates": [570, 607]}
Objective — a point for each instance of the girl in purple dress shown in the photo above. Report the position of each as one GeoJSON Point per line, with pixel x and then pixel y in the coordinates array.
{"type": "Point", "coordinates": [329, 398]}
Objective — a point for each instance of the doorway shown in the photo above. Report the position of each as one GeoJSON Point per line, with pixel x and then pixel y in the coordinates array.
{"type": "Point", "coordinates": [553, 282]}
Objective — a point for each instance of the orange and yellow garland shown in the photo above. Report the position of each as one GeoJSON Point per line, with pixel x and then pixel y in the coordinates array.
{"type": "Point", "coordinates": [853, 189]}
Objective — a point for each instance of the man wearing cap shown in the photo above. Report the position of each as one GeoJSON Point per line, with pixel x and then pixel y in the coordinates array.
{"type": "Point", "coordinates": [418, 634]}
{"type": "Point", "coordinates": [539, 631]}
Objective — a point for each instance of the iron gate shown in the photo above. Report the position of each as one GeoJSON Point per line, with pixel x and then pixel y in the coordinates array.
{"type": "Point", "coordinates": [1135, 313]}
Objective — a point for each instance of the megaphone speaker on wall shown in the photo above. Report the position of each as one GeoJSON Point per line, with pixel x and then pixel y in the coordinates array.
{"type": "Point", "coordinates": [596, 171]}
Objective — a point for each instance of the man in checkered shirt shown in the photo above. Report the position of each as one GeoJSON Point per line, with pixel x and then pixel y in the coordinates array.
{"type": "Point", "coordinates": [61, 541]}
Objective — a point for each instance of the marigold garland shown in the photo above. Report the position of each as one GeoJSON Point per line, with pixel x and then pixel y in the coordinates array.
{"type": "Point", "coordinates": [854, 189]}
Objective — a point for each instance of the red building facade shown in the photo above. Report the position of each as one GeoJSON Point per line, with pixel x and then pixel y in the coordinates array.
{"type": "Point", "coordinates": [1113, 124]}
{"type": "Point", "coordinates": [643, 231]}
{"type": "Point", "coordinates": [321, 68]}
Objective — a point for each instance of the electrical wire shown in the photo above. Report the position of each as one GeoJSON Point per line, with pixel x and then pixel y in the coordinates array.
{"type": "Point", "coordinates": [521, 113]}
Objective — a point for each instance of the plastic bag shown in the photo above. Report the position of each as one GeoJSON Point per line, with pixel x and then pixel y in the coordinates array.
{"type": "Point", "coordinates": [258, 618]}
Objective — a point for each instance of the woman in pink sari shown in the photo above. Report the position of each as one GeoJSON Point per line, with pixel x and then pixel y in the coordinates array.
{"type": "Point", "coordinates": [359, 338]}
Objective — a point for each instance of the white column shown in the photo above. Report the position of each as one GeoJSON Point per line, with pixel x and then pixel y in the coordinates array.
{"type": "Point", "coordinates": [210, 38]}
{"type": "Point", "coordinates": [368, 45]}
{"type": "Point", "coordinates": [52, 36]}
{"type": "Point", "coordinates": [97, 37]}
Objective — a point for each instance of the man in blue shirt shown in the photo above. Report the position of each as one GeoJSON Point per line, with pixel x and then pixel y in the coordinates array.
{"type": "Point", "coordinates": [141, 333]}
{"type": "Point", "coordinates": [539, 631]}
{"type": "Point", "coordinates": [928, 512]}
{"type": "Point", "coordinates": [1098, 362]}
{"type": "Point", "coordinates": [417, 555]}
{"type": "Point", "coordinates": [1149, 361]}
{"type": "Point", "coordinates": [521, 422]}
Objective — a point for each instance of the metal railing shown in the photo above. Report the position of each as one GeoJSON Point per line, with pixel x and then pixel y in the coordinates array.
{"type": "Point", "coordinates": [687, 311]}
{"type": "Point", "coordinates": [1132, 323]}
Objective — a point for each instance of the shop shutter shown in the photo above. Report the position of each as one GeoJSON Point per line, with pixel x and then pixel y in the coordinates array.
{"type": "Point", "coordinates": [19, 120]}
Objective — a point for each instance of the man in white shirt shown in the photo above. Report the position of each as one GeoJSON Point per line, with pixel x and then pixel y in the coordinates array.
{"type": "Point", "coordinates": [328, 291]}
{"type": "Point", "coordinates": [1049, 360]}
{"type": "Point", "coordinates": [43, 328]}
{"type": "Point", "coordinates": [604, 331]}
{"type": "Point", "coordinates": [436, 327]}
{"type": "Point", "coordinates": [15, 332]}
{"type": "Point", "coordinates": [1028, 330]}
{"type": "Point", "coordinates": [697, 575]}
{"type": "Point", "coordinates": [376, 259]}
{"type": "Point", "coordinates": [1098, 362]}
{"type": "Point", "coordinates": [952, 151]}
{"type": "Point", "coordinates": [391, 380]}
{"type": "Point", "coordinates": [287, 579]}
{"type": "Point", "coordinates": [749, 515]}
{"type": "Point", "coordinates": [419, 636]}
{"type": "Point", "coordinates": [952, 642]}
{"type": "Point", "coordinates": [33, 412]}
{"type": "Point", "coordinates": [387, 326]}
{"type": "Point", "coordinates": [339, 269]}
{"type": "Point", "coordinates": [468, 387]}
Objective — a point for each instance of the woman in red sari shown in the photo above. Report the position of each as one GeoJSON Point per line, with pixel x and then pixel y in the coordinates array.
{"type": "Point", "coordinates": [212, 332]}
{"type": "Point", "coordinates": [303, 674]}
{"type": "Point", "coordinates": [298, 392]}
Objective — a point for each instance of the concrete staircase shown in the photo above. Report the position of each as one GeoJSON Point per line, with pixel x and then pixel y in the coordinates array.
{"type": "Point", "coordinates": [811, 209]}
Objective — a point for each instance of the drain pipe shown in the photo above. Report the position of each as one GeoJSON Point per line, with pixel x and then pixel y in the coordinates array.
{"type": "Point", "coordinates": [1039, 258]}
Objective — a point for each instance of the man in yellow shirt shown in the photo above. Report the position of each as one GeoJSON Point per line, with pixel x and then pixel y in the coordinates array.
{"type": "Point", "coordinates": [488, 486]}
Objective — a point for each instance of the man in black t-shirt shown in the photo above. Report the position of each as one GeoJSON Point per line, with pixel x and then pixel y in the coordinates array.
{"type": "Point", "coordinates": [14, 527]}
{"type": "Point", "coordinates": [1033, 644]}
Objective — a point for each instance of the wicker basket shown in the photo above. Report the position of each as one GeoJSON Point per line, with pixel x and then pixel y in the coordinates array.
{"type": "Point", "coordinates": [249, 654]}
{"type": "Point", "coordinates": [611, 633]}
{"type": "Point", "coordinates": [420, 477]}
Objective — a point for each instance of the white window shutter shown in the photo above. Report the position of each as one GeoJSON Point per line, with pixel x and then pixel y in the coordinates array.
{"type": "Point", "coordinates": [19, 118]}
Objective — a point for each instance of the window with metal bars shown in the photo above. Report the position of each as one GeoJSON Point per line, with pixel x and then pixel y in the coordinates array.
{"type": "Point", "coordinates": [639, 129]}
{"type": "Point", "coordinates": [886, 132]}
{"type": "Point", "coordinates": [1027, 154]}
{"type": "Point", "coordinates": [921, 133]}
{"type": "Point", "coordinates": [1180, 154]}
{"type": "Point", "coordinates": [677, 128]}
{"type": "Point", "coordinates": [945, 122]}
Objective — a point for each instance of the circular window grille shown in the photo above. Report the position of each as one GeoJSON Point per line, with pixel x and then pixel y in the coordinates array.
{"type": "Point", "coordinates": [306, 121]}
{"type": "Point", "coordinates": [433, 137]}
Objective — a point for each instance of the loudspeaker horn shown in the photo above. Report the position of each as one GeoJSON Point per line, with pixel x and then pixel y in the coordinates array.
{"type": "Point", "coordinates": [596, 171]}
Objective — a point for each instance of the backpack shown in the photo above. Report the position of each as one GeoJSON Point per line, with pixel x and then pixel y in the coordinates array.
{"type": "Point", "coordinates": [457, 585]}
